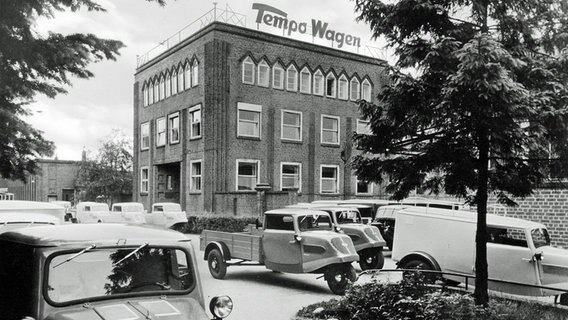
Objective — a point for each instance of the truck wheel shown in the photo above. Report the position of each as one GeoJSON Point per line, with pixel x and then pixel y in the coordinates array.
{"type": "Point", "coordinates": [340, 277]}
{"type": "Point", "coordinates": [419, 264]}
{"type": "Point", "coordinates": [217, 266]}
{"type": "Point", "coordinates": [371, 258]}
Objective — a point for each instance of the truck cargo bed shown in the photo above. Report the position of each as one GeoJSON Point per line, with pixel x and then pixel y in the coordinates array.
{"type": "Point", "coordinates": [242, 245]}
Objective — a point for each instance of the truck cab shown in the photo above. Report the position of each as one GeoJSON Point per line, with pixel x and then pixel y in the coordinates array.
{"type": "Point", "coordinates": [92, 212]}
{"type": "Point", "coordinates": [167, 215]}
{"type": "Point", "coordinates": [518, 251]}
{"type": "Point", "coordinates": [100, 272]}
{"type": "Point", "coordinates": [127, 212]}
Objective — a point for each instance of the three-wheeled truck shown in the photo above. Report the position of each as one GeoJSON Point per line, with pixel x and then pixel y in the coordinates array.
{"type": "Point", "coordinates": [292, 241]}
{"type": "Point", "coordinates": [366, 238]}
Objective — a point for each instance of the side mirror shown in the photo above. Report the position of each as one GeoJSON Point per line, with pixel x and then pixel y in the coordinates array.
{"type": "Point", "coordinates": [538, 256]}
{"type": "Point", "coordinates": [298, 238]}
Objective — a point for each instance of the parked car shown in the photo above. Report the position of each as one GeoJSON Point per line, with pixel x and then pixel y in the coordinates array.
{"type": "Point", "coordinates": [367, 239]}
{"type": "Point", "coordinates": [23, 206]}
{"type": "Point", "coordinates": [518, 251]}
{"type": "Point", "coordinates": [67, 206]}
{"type": "Point", "coordinates": [92, 212]}
{"type": "Point", "coordinates": [127, 212]}
{"type": "Point", "coordinates": [167, 215]}
{"type": "Point", "coordinates": [15, 220]}
{"type": "Point", "coordinates": [101, 272]}
{"type": "Point", "coordinates": [290, 241]}
{"type": "Point", "coordinates": [385, 221]}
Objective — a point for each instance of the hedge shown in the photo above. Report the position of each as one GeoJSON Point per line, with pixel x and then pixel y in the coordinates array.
{"type": "Point", "coordinates": [196, 224]}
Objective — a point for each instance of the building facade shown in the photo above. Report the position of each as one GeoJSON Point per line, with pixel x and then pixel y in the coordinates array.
{"type": "Point", "coordinates": [230, 108]}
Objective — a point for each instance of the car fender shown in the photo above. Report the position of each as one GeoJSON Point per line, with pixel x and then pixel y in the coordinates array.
{"type": "Point", "coordinates": [218, 245]}
{"type": "Point", "coordinates": [422, 256]}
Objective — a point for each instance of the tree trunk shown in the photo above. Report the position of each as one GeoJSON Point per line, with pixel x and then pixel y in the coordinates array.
{"type": "Point", "coordinates": [481, 274]}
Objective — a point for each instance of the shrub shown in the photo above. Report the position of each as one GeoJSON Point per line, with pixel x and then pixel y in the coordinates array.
{"type": "Point", "coordinates": [196, 224]}
{"type": "Point", "coordinates": [411, 299]}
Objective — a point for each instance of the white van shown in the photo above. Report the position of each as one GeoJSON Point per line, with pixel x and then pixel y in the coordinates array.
{"type": "Point", "coordinates": [92, 212]}
{"type": "Point", "coordinates": [127, 212]}
{"type": "Point", "coordinates": [518, 251]}
{"type": "Point", "coordinates": [22, 206]}
{"type": "Point", "coordinates": [167, 215]}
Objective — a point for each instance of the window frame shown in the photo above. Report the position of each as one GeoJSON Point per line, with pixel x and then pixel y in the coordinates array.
{"type": "Point", "coordinates": [321, 88]}
{"type": "Point", "coordinates": [156, 90]}
{"type": "Point", "coordinates": [369, 188]}
{"type": "Point", "coordinates": [238, 161]}
{"type": "Point", "coordinates": [248, 62]}
{"type": "Point", "coordinates": [181, 79]}
{"type": "Point", "coordinates": [145, 95]}
{"type": "Point", "coordinates": [195, 73]}
{"type": "Point", "coordinates": [192, 176]}
{"type": "Point", "coordinates": [168, 84]}
{"type": "Point", "coordinates": [142, 126]}
{"type": "Point", "coordinates": [337, 178]}
{"type": "Point", "coordinates": [308, 88]}
{"type": "Point", "coordinates": [351, 91]}
{"type": "Point", "coordinates": [334, 89]}
{"type": "Point", "coordinates": [263, 64]}
{"type": "Point", "coordinates": [299, 165]}
{"type": "Point", "coordinates": [278, 67]}
{"type": "Point", "coordinates": [367, 123]}
{"type": "Point", "coordinates": [142, 180]}
{"type": "Point", "coordinates": [295, 85]}
{"type": "Point", "coordinates": [251, 108]}
{"type": "Point", "coordinates": [190, 112]}
{"type": "Point", "coordinates": [282, 125]}
{"type": "Point", "coordinates": [187, 76]}
{"type": "Point", "coordinates": [150, 93]}
{"type": "Point", "coordinates": [174, 81]}
{"type": "Point", "coordinates": [164, 131]}
{"type": "Point", "coordinates": [367, 96]}
{"type": "Point", "coordinates": [171, 127]}
{"type": "Point", "coordinates": [338, 129]}
{"type": "Point", "coordinates": [343, 79]}
{"type": "Point", "coordinates": [162, 88]}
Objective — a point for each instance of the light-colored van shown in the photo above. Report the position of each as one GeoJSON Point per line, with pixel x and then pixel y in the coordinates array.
{"type": "Point", "coordinates": [167, 215]}
{"type": "Point", "coordinates": [127, 212]}
{"type": "Point", "coordinates": [92, 212]}
{"type": "Point", "coordinates": [518, 251]}
{"type": "Point", "coordinates": [22, 206]}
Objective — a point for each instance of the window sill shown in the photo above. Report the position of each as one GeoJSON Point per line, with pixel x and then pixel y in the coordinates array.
{"type": "Point", "coordinates": [194, 138]}
{"type": "Point", "coordinates": [145, 149]}
{"type": "Point", "coordinates": [195, 192]}
{"type": "Point", "coordinates": [144, 193]}
{"type": "Point", "coordinates": [161, 146]}
{"type": "Point", "coordinates": [330, 145]}
{"type": "Point", "coordinates": [174, 143]}
{"type": "Point", "coordinates": [249, 138]}
{"type": "Point", "coordinates": [291, 141]}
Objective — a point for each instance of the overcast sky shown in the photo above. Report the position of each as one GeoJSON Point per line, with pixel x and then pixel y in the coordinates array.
{"type": "Point", "coordinates": [91, 110]}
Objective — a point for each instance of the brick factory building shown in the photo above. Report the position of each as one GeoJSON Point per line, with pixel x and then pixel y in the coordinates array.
{"type": "Point", "coordinates": [230, 108]}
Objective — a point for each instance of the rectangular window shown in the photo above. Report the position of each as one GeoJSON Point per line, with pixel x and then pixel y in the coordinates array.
{"type": "Point", "coordinates": [195, 122]}
{"type": "Point", "coordinates": [247, 174]}
{"type": "Point", "coordinates": [329, 129]}
{"type": "Point", "coordinates": [329, 179]}
{"type": "Point", "coordinates": [291, 79]}
{"type": "Point", "coordinates": [291, 125]}
{"type": "Point", "coordinates": [173, 120]}
{"type": "Point", "coordinates": [364, 188]}
{"type": "Point", "coordinates": [363, 127]}
{"type": "Point", "coordinates": [145, 136]}
{"type": "Point", "coordinates": [342, 88]}
{"type": "Point", "coordinates": [318, 84]}
{"type": "Point", "coordinates": [305, 81]}
{"type": "Point", "coordinates": [195, 74]}
{"type": "Point", "coordinates": [278, 77]}
{"type": "Point", "coordinates": [290, 175]}
{"type": "Point", "coordinates": [195, 174]}
{"type": "Point", "coordinates": [263, 74]}
{"type": "Point", "coordinates": [161, 132]}
{"type": "Point", "coordinates": [144, 179]}
{"type": "Point", "coordinates": [248, 120]}
{"type": "Point", "coordinates": [248, 71]}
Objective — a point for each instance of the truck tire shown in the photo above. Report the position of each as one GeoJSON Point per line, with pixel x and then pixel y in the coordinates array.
{"type": "Point", "coordinates": [371, 258]}
{"type": "Point", "coordinates": [420, 264]}
{"type": "Point", "coordinates": [217, 266]}
{"type": "Point", "coordinates": [340, 277]}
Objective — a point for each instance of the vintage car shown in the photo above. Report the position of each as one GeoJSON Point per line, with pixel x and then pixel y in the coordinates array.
{"type": "Point", "coordinates": [519, 256]}
{"type": "Point", "coordinates": [23, 206]}
{"type": "Point", "coordinates": [100, 272]}
{"type": "Point", "coordinates": [92, 212]}
{"type": "Point", "coordinates": [14, 220]}
{"type": "Point", "coordinates": [293, 241]}
{"type": "Point", "coordinates": [385, 221]}
{"type": "Point", "coordinates": [367, 239]}
{"type": "Point", "coordinates": [167, 215]}
{"type": "Point", "coordinates": [127, 212]}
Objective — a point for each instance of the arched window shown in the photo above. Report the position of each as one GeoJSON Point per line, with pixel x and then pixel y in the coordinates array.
{"type": "Point", "coordinates": [343, 88]}
{"type": "Point", "coordinates": [144, 96]}
{"type": "Point", "coordinates": [278, 76]}
{"type": "Point", "coordinates": [292, 78]}
{"type": "Point", "coordinates": [318, 83]}
{"type": "Point", "coordinates": [156, 90]}
{"type": "Point", "coordinates": [306, 80]}
{"type": "Point", "coordinates": [162, 89]}
{"type": "Point", "coordinates": [180, 74]}
{"type": "Point", "coordinates": [187, 77]}
{"type": "Point", "coordinates": [168, 85]}
{"type": "Point", "coordinates": [150, 93]}
{"type": "Point", "coordinates": [195, 73]}
{"type": "Point", "coordinates": [355, 90]}
{"type": "Point", "coordinates": [330, 85]}
{"type": "Point", "coordinates": [248, 71]}
{"type": "Point", "coordinates": [366, 90]}
{"type": "Point", "coordinates": [174, 81]}
{"type": "Point", "coordinates": [263, 74]}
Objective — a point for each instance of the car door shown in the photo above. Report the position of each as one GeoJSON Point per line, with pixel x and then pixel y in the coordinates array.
{"type": "Point", "coordinates": [282, 252]}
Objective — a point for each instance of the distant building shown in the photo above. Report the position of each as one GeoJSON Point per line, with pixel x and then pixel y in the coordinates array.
{"type": "Point", "coordinates": [230, 108]}
{"type": "Point", "coordinates": [54, 181]}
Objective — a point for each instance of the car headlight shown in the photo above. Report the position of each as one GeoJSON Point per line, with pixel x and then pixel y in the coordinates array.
{"type": "Point", "coordinates": [221, 307]}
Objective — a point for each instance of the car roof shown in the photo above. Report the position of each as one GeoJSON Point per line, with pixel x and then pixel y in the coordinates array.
{"type": "Point", "coordinates": [27, 217]}
{"type": "Point", "coordinates": [295, 212]}
{"type": "Point", "coordinates": [165, 203]}
{"type": "Point", "coordinates": [8, 205]}
{"type": "Point", "coordinates": [87, 234]}
{"type": "Point", "coordinates": [91, 203]}
{"type": "Point", "coordinates": [321, 207]}
{"type": "Point", "coordinates": [128, 204]}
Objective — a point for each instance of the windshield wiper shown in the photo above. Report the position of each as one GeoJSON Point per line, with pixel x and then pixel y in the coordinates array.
{"type": "Point", "coordinates": [87, 249]}
{"type": "Point", "coordinates": [130, 254]}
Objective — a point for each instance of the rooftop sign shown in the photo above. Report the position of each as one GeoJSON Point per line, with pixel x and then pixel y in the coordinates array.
{"type": "Point", "coordinates": [277, 18]}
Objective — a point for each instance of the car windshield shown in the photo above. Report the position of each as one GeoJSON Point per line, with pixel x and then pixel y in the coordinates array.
{"type": "Point", "coordinates": [313, 222]}
{"type": "Point", "coordinates": [540, 237]}
{"type": "Point", "coordinates": [100, 273]}
{"type": "Point", "coordinates": [350, 216]}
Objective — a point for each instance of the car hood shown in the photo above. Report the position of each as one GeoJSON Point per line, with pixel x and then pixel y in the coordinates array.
{"type": "Point", "coordinates": [180, 308]}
